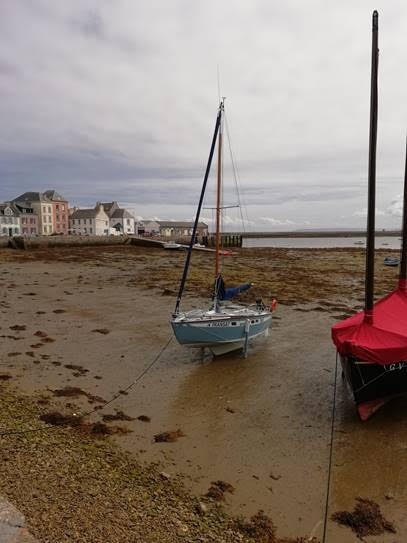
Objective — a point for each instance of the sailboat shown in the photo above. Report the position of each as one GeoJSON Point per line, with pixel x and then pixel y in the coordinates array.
{"type": "Point", "coordinates": [372, 344]}
{"type": "Point", "coordinates": [223, 326]}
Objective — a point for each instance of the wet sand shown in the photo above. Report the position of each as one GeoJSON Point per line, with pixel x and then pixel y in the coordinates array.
{"type": "Point", "coordinates": [262, 424]}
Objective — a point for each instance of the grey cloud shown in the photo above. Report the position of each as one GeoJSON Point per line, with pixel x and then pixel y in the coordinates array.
{"type": "Point", "coordinates": [105, 99]}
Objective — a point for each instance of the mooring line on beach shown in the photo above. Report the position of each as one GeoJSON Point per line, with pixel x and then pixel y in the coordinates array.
{"type": "Point", "coordinates": [15, 431]}
{"type": "Point", "coordinates": [328, 487]}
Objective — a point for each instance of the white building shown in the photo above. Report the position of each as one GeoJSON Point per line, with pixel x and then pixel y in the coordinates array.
{"type": "Point", "coordinates": [9, 220]}
{"type": "Point", "coordinates": [123, 222]}
{"type": "Point", "coordinates": [120, 220]}
{"type": "Point", "coordinates": [89, 222]}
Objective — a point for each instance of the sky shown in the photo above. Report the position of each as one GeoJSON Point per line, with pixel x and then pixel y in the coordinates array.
{"type": "Point", "coordinates": [116, 100]}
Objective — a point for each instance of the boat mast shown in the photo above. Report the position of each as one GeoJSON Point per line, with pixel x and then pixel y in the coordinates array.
{"type": "Point", "coordinates": [403, 263]}
{"type": "Point", "coordinates": [370, 243]}
{"type": "Point", "coordinates": [198, 212]}
{"type": "Point", "coordinates": [219, 193]}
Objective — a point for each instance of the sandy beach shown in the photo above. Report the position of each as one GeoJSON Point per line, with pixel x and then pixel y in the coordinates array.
{"type": "Point", "coordinates": [95, 318]}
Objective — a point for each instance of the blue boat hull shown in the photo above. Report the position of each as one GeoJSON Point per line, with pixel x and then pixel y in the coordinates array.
{"type": "Point", "coordinates": [220, 331]}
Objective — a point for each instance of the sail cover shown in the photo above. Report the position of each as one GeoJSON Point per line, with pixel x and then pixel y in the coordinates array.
{"type": "Point", "coordinates": [224, 293]}
{"type": "Point", "coordinates": [383, 341]}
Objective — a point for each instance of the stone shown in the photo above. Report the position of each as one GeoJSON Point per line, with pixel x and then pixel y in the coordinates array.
{"type": "Point", "coordinates": [12, 524]}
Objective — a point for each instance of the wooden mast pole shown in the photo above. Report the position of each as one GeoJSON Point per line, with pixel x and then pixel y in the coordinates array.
{"type": "Point", "coordinates": [219, 195]}
{"type": "Point", "coordinates": [403, 263]}
{"type": "Point", "coordinates": [370, 244]}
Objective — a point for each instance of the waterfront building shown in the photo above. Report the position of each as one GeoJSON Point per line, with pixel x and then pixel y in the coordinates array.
{"type": "Point", "coordinates": [44, 207]}
{"type": "Point", "coordinates": [89, 222]}
{"type": "Point", "coordinates": [121, 221]}
{"type": "Point", "coordinates": [28, 219]}
{"type": "Point", "coordinates": [148, 227]}
{"type": "Point", "coordinates": [9, 220]}
{"type": "Point", "coordinates": [60, 212]}
{"type": "Point", "coordinates": [179, 229]}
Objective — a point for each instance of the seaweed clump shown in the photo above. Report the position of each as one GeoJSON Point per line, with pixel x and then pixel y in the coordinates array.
{"type": "Point", "coordinates": [168, 437]}
{"type": "Point", "coordinates": [365, 519]}
{"type": "Point", "coordinates": [55, 418]}
{"type": "Point", "coordinates": [260, 528]}
{"type": "Point", "coordinates": [217, 490]}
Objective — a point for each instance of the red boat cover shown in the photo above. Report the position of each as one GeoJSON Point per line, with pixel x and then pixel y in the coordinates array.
{"type": "Point", "coordinates": [381, 341]}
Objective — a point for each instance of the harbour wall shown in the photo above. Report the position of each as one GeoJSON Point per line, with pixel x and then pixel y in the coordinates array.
{"type": "Point", "coordinates": [22, 243]}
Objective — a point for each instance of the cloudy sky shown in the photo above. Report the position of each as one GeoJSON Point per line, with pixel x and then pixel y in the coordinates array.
{"type": "Point", "coordinates": [116, 100]}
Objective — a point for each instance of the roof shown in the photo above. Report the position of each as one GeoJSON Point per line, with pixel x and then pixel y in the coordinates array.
{"type": "Point", "coordinates": [14, 209]}
{"type": "Point", "coordinates": [84, 213]}
{"type": "Point", "coordinates": [24, 207]}
{"type": "Point", "coordinates": [108, 206]}
{"type": "Point", "coordinates": [121, 214]}
{"type": "Point", "coordinates": [54, 196]}
{"type": "Point", "coordinates": [31, 197]}
{"type": "Point", "coordinates": [180, 224]}
{"type": "Point", "coordinates": [382, 341]}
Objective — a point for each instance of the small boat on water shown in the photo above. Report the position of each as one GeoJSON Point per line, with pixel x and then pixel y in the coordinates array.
{"type": "Point", "coordinates": [171, 245]}
{"type": "Point", "coordinates": [372, 344]}
{"type": "Point", "coordinates": [223, 326]}
{"type": "Point", "coordinates": [391, 261]}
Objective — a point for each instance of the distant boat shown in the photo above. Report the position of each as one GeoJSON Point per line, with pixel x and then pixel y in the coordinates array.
{"type": "Point", "coordinates": [391, 261]}
{"type": "Point", "coordinates": [359, 243]}
{"type": "Point", "coordinates": [171, 245]}
{"type": "Point", "coordinates": [223, 326]}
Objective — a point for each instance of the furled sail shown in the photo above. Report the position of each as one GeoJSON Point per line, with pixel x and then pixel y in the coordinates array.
{"type": "Point", "coordinates": [223, 293]}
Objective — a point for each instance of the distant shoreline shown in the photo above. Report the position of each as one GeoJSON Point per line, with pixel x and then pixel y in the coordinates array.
{"type": "Point", "coordinates": [315, 234]}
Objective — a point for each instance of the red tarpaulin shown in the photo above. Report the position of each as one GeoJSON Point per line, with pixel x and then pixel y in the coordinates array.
{"type": "Point", "coordinates": [381, 341]}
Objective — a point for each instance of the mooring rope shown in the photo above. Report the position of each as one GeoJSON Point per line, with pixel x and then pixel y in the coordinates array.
{"type": "Point", "coordinates": [328, 486]}
{"type": "Point", "coordinates": [15, 431]}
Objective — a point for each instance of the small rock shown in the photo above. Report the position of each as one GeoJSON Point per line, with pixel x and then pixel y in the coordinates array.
{"type": "Point", "coordinates": [202, 508]}
{"type": "Point", "coordinates": [389, 496]}
{"type": "Point", "coordinates": [165, 475]}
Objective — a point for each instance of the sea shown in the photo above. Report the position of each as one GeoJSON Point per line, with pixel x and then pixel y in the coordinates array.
{"type": "Point", "coordinates": [381, 242]}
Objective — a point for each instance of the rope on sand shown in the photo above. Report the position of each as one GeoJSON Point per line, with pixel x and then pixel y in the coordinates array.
{"type": "Point", "coordinates": [328, 487]}
{"type": "Point", "coordinates": [15, 431]}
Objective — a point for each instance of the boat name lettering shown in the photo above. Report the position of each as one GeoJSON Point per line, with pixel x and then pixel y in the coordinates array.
{"type": "Point", "coordinates": [396, 366]}
{"type": "Point", "coordinates": [220, 323]}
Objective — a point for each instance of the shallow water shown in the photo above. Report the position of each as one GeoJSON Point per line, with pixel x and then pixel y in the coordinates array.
{"type": "Point", "coordinates": [389, 242]}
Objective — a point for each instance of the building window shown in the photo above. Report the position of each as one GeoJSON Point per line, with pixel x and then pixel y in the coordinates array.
{"type": "Point", "coordinates": [32, 230]}
{"type": "Point", "coordinates": [63, 207]}
{"type": "Point", "coordinates": [57, 218]}
{"type": "Point", "coordinates": [49, 209]}
{"type": "Point", "coordinates": [90, 231]}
